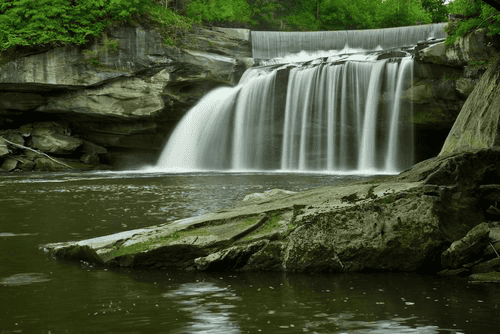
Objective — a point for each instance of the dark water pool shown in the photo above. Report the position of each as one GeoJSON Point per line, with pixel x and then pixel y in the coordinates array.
{"type": "Point", "coordinates": [40, 295]}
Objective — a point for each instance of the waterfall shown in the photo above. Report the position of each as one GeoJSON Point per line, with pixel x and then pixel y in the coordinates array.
{"type": "Point", "coordinates": [338, 114]}
{"type": "Point", "coordinates": [337, 117]}
{"type": "Point", "coordinates": [273, 44]}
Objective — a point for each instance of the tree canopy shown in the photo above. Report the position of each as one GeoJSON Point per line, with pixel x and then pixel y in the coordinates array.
{"type": "Point", "coordinates": [58, 22]}
{"type": "Point", "coordinates": [318, 14]}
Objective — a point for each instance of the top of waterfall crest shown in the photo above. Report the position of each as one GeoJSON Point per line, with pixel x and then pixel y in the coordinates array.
{"type": "Point", "coordinates": [277, 44]}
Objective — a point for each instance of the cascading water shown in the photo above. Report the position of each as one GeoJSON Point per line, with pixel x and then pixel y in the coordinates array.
{"type": "Point", "coordinates": [273, 44]}
{"type": "Point", "coordinates": [340, 115]}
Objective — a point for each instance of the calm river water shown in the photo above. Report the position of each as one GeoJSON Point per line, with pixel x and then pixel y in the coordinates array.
{"type": "Point", "coordinates": [40, 295]}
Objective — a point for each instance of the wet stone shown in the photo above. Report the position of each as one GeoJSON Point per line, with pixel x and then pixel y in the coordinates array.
{"type": "Point", "coordinates": [467, 249]}
{"type": "Point", "coordinates": [9, 165]}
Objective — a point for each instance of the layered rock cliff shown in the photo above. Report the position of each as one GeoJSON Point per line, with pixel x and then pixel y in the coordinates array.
{"type": "Point", "coordinates": [119, 97]}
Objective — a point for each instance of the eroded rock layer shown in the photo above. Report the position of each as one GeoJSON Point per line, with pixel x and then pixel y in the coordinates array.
{"type": "Point", "coordinates": [125, 92]}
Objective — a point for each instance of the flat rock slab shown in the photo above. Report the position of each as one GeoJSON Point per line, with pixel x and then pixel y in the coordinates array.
{"type": "Point", "coordinates": [401, 223]}
{"type": "Point", "coordinates": [248, 229]}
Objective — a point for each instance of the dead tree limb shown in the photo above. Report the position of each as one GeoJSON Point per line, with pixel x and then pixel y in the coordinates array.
{"type": "Point", "coordinates": [37, 152]}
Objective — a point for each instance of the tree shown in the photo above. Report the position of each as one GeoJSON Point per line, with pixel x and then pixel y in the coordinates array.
{"type": "Point", "coordinates": [347, 14]}
{"type": "Point", "coordinates": [476, 14]}
{"type": "Point", "coordinates": [210, 11]}
{"type": "Point", "coordinates": [437, 9]}
{"type": "Point", "coordinates": [395, 13]}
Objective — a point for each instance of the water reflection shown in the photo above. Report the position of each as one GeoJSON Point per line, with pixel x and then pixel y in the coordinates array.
{"type": "Point", "coordinates": [208, 306]}
{"type": "Point", "coordinates": [38, 295]}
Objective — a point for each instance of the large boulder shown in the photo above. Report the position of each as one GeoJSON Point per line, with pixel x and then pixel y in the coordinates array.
{"type": "Point", "coordinates": [477, 125]}
{"type": "Point", "coordinates": [51, 137]}
{"type": "Point", "coordinates": [401, 223]}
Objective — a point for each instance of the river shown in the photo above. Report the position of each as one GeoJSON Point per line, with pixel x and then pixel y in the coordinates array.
{"type": "Point", "coordinates": [42, 295]}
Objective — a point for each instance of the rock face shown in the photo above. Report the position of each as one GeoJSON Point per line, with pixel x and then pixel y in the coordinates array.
{"type": "Point", "coordinates": [444, 77]}
{"type": "Point", "coordinates": [478, 125]}
{"type": "Point", "coordinates": [402, 223]}
{"type": "Point", "coordinates": [125, 92]}
{"type": "Point", "coordinates": [475, 47]}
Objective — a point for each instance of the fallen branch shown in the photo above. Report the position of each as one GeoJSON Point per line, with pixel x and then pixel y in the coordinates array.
{"type": "Point", "coordinates": [494, 249]}
{"type": "Point", "coordinates": [37, 152]}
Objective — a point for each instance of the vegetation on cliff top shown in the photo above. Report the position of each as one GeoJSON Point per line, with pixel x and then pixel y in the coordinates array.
{"type": "Point", "coordinates": [58, 22]}
{"type": "Point", "coordinates": [473, 14]}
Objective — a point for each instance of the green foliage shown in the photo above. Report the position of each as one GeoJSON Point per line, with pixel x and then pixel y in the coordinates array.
{"type": "Point", "coordinates": [27, 22]}
{"type": "Point", "coordinates": [397, 13]}
{"type": "Point", "coordinates": [437, 9]}
{"type": "Point", "coordinates": [210, 11]}
{"type": "Point", "coordinates": [476, 14]}
{"type": "Point", "coordinates": [346, 15]}
{"type": "Point", "coordinates": [272, 224]}
{"type": "Point", "coordinates": [58, 22]}
{"type": "Point", "coordinates": [343, 14]}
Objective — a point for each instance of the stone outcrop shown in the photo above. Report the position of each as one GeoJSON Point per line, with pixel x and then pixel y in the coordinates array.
{"type": "Point", "coordinates": [50, 137]}
{"type": "Point", "coordinates": [474, 48]}
{"type": "Point", "coordinates": [400, 223]}
{"type": "Point", "coordinates": [444, 77]}
{"type": "Point", "coordinates": [476, 255]}
{"type": "Point", "coordinates": [478, 124]}
{"type": "Point", "coordinates": [127, 98]}
{"type": "Point", "coordinates": [468, 248]}
{"type": "Point", "coordinates": [124, 92]}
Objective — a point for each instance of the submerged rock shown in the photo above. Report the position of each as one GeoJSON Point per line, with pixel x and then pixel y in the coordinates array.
{"type": "Point", "coordinates": [267, 195]}
{"type": "Point", "coordinates": [24, 279]}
